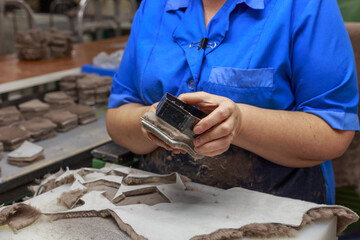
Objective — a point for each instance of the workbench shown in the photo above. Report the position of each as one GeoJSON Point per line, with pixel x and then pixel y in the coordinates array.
{"type": "Point", "coordinates": [66, 149]}
{"type": "Point", "coordinates": [149, 206]}
{"type": "Point", "coordinates": [71, 148]}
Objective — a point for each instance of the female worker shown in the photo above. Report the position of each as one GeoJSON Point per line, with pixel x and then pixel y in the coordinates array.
{"type": "Point", "coordinates": [277, 79]}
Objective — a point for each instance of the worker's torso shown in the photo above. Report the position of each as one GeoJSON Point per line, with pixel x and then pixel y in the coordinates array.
{"type": "Point", "coordinates": [247, 58]}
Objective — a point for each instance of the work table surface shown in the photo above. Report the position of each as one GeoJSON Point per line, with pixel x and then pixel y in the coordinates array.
{"type": "Point", "coordinates": [16, 75]}
{"type": "Point", "coordinates": [11, 69]}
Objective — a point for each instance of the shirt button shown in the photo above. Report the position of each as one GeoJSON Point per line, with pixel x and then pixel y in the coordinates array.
{"type": "Point", "coordinates": [191, 84]}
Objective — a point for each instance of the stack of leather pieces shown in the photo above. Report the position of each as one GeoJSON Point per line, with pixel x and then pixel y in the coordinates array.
{"type": "Point", "coordinates": [1, 150]}
{"type": "Point", "coordinates": [68, 85]}
{"type": "Point", "coordinates": [64, 120]}
{"type": "Point", "coordinates": [39, 128]}
{"type": "Point", "coordinates": [85, 114]}
{"type": "Point", "coordinates": [86, 89]}
{"type": "Point", "coordinates": [10, 116]}
{"type": "Point", "coordinates": [60, 43]}
{"type": "Point", "coordinates": [32, 45]}
{"type": "Point", "coordinates": [12, 137]}
{"type": "Point", "coordinates": [102, 91]}
{"type": "Point", "coordinates": [58, 100]}
{"type": "Point", "coordinates": [34, 108]}
{"type": "Point", "coordinates": [26, 154]}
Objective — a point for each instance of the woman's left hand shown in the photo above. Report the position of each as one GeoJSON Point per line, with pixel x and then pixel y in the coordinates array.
{"type": "Point", "coordinates": [217, 130]}
{"type": "Point", "coordinates": [155, 139]}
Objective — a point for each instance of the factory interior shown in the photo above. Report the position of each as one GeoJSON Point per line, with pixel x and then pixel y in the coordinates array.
{"type": "Point", "coordinates": [76, 164]}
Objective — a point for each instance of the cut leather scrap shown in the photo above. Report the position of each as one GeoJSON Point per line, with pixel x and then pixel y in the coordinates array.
{"type": "Point", "coordinates": [12, 137]}
{"type": "Point", "coordinates": [39, 128]}
{"type": "Point", "coordinates": [48, 183]}
{"type": "Point", "coordinates": [149, 198]}
{"type": "Point", "coordinates": [18, 216]}
{"type": "Point", "coordinates": [169, 134]}
{"type": "Point", "coordinates": [26, 154]}
{"type": "Point", "coordinates": [70, 198]}
{"type": "Point", "coordinates": [65, 120]}
{"type": "Point", "coordinates": [87, 228]}
{"type": "Point", "coordinates": [107, 180]}
{"type": "Point", "coordinates": [69, 176]}
{"type": "Point", "coordinates": [272, 230]}
{"type": "Point", "coordinates": [134, 179]}
{"type": "Point", "coordinates": [199, 211]}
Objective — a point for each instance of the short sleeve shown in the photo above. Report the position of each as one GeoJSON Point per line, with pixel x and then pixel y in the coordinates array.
{"type": "Point", "coordinates": [323, 65]}
{"type": "Point", "coordinates": [123, 88]}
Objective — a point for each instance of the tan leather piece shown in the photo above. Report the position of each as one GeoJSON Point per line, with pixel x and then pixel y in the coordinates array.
{"type": "Point", "coordinates": [10, 115]}
{"type": "Point", "coordinates": [65, 120]}
{"type": "Point", "coordinates": [12, 137]}
{"type": "Point", "coordinates": [39, 128]}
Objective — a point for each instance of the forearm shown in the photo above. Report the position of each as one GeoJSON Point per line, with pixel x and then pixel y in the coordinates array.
{"type": "Point", "coordinates": [124, 127]}
{"type": "Point", "coordinates": [293, 139]}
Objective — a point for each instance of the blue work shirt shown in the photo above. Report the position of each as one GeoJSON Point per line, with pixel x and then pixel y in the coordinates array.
{"type": "Point", "coordinates": [292, 55]}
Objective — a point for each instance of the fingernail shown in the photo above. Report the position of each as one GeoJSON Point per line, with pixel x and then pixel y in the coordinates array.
{"type": "Point", "coordinates": [197, 142]}
{"type": "Point", "coordinates": [197, 129]}
{"type": "Point", "coordinates": [198, 150]}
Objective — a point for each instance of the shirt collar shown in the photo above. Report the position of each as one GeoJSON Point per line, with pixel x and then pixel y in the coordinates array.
{"type": "Point", "coordinates": [173, 5]}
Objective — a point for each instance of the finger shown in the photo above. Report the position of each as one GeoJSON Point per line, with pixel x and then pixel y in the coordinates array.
{"type": "Point", "coordinates": [153, 107]}
{"type": "Point", "coordinates": [159, 142]}
{"type": "Point", "coordinates": [215, 153]}
{"type": "Point", "coordinates": [145, 133]}
{"type": "Point", "coordinates": [202, 100]}
{"type": "Point", "coordinates": [222, 130]}
{"type": "Point", "coordinates": [164, 145]}
{"type": "Point", "coordinates": [176, 151]}
{"type": "Point", "coordinates": [216, 147]}
{"type": "Point", "coordinates": [215, 117]}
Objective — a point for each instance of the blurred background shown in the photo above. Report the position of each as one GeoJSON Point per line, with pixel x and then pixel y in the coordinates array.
{"type": "Point", "coordinates": [91, 20]}
{"type": "Point", "coordinates": [88, 20]}
{"type": "Point", "coordinates": [350, 10]}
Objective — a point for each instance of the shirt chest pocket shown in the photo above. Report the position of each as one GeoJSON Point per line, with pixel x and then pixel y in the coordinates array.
{"type": "Point", "coordinates": [250, 86]}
